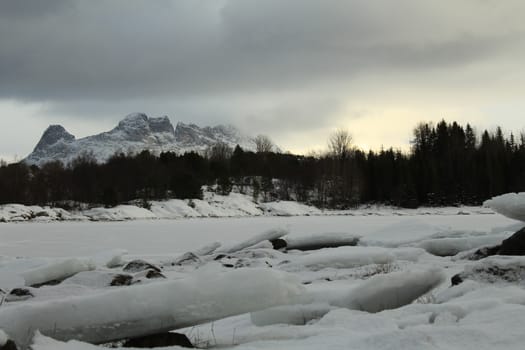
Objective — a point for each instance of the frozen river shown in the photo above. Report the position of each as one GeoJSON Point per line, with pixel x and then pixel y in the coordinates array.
{"type": "Point", "coordinates": [164, 237]}
{"type": "Point", "coordinates": [401, 267]}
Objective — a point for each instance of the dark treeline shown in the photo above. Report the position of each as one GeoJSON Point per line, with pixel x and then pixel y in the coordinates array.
{"type": "Point", "coordinates": [447, 165]}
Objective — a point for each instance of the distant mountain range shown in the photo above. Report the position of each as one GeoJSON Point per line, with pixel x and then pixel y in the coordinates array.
{"type": "Point", "coordinates": [135, 133]}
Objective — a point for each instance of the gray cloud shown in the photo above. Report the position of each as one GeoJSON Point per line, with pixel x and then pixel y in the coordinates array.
{"type": "Point", "coordinates": [114, 49]}
{"type": "Point", "coordinates": [27, 9]}
{"type": "Point", "coordinates": [249, 62]}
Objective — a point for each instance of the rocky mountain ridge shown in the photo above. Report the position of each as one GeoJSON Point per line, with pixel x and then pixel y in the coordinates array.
{"type": "Point", "coordinates": [133, 134]}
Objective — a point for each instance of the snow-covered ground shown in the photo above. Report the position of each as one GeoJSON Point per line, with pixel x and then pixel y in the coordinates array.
{"type": "Point", "coordinates": [212, 205]}
{"type": "Point", "coordinates": [391, 291]}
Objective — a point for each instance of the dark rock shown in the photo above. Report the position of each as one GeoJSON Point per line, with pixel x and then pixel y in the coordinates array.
{"type": "Point", "coordinates": [456, 279]}
{"type": "Point", "coordinates": [186, 259]}
{"type": "Point", "coordinates": [121, 280]}
{"type": "Point", "coordinates": [256, 254]}
{"type": "Point", "coordinates": [9, 345]}
{"type": "Point", "coordinates": [327, 240]}
{"type": "Point", "coordinates": [483, 252]}
{"type": "Point", "coordinates": [514, 245]}
{"type": "Point", "coordinates": [159, 340]}
{"type": "Point", "coordinates": [19, 294]}
{"type": "Point", "coordinates": [162, 124]}
{"type": "Point", "coordinates": [322, 244]}
{"type": "Point", "coordinates": [154, 274]}
{"type": "Point", "coordinates": [278, 243]}
{"type": "Point", "coordinates": [243, 263]}
{"type": "Point", "coordinates": [220, 256]}
{"type": "Point", "coordinates": [495, 270]}
{"type": "Point", "coordinates": [139, 265]}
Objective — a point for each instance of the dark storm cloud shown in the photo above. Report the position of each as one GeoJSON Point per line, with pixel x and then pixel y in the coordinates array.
{"type": "Point", "coordinates": [123, 49]}
{"type": "Point", "coordinates": [273, 66]}
{"type": "Point", "coordinates": [30, 8]}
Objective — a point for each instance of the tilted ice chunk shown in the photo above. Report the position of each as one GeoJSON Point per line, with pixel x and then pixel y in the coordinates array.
{"type": "Point", "coordinates": [402, 232]}
{"type": "Point", "coordinates": [93, 279]}
{"type": "Point", "coordinates": [378, 293]}
{"type": "Point", "coordinates": [290, 314]}
{"type": "Point", "coordinates": [194, 255]}
{"type": "Point", "coordinates": [207, 249]}
{"type": "Point", "coordinates": [349, 257]}
{"type": "Point", "coordinates": [265, 236]}
{"type": "Point", "coordinates": [154, 308]}
{"type": "Point", "coordinates": [56, 271]}
{"type": "Point", "coordinates": [64, 268]}
{"type": "Point", "coordinates": [322, 240]}
{"type": "Point", "coordinates": [511, 205]}
{"type": "Point", "coordinates": [391, 291]}
{"type": "Point", "coordinates": [453, 246]}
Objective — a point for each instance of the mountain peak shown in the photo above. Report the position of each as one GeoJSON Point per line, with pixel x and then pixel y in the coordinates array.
{"type": "Point", "coordinates": [133, 134]}
{"type": "Point", "coordinates": [187, 134]}
{"type": "Point", "coordinates": [52, 135]}
{"type": "Point", "coordinates": [134, 120]}
{"type": "Point", "coordinates": [161, 124]}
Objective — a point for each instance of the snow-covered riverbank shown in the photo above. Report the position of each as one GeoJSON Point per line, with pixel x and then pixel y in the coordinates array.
{"type": "Point", "coordinates": [213, 205]}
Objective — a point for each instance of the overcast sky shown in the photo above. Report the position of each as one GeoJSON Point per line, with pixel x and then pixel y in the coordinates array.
{"type": "Point", "coordinates": [294, 70]}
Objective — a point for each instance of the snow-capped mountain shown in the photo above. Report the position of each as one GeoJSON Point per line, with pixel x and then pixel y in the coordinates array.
{"type": "Point", "coordinates": [135, 133]}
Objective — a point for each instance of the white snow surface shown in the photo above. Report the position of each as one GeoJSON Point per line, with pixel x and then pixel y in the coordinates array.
{"type": "Point", "coordinates": [120, 212]}
{"type": "Point", "coordinates": [388, 292]}
{"type": "Point", "coordinates": [289, 208]}
{"type": "Point", "coordinates": [512, 205]}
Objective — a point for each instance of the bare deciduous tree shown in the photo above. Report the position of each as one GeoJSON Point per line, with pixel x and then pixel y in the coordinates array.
{"type": "Point", "coordinates": [263, 144]}
{"type": "Point", "coordinates": [340, 143]}
{"type": "Point", "coordinates": [219, 151]}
